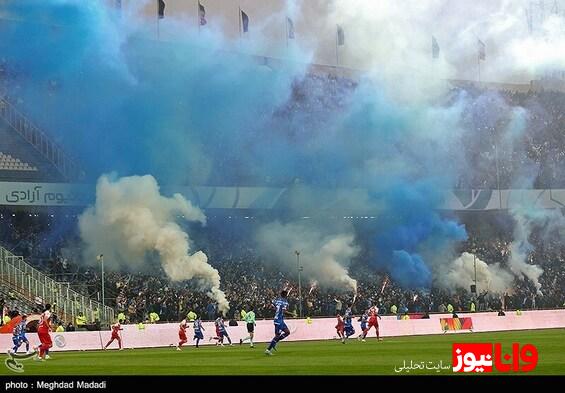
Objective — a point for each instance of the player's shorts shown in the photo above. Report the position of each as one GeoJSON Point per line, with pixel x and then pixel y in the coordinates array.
{"type": "Point", "coordinates": [115, 336]}
{"type": "Point", "coordinates": [279, 327]}
{"type": "Point", "coordinates": [223, 333]}
{"type": "Point", "coordinates": [198, 335]}
{"type": "Point", "coordinates": [339, 328]}
{"type": "Point", "coordinates": [250, 327]}
{"type": "Point", "coordinates": [17, 340]}
{"type": "Point", "coordinates": [182, 335]}
{"type": "Point", "coordinates": [45, 339]}
{"type": "Point", "coordinates": [349, 331]}
{"type": "Point", "coordinates": [373, 322]}
{"type": "Point", "coordinates": [363, 325]}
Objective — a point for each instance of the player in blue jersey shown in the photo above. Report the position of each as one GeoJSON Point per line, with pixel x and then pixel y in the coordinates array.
{"type": "Point", "coordinates": [348, 322]}
{"type": "Point", "coordinates": [19, 335]}
{"type": "Point", "coordinates": [198, 329]}
{"type": "Point", "coordinates": [364, 319]}
{"type": "Point", "coordinates": [281, 330]}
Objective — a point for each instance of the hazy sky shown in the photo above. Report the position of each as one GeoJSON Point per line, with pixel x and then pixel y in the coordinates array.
{"type": "Point", "coordinates": [396, 35]}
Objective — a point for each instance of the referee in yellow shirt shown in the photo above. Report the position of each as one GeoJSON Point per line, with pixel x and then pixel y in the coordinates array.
{"type": "Point", "coordinates": [250, 321]}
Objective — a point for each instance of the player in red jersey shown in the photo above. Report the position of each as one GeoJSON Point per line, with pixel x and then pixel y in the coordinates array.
{"type": "Point", "coordinates": [116, 335]}
{"type": "Point", "coordinates": [340, 326]}
{"type": "Point", "coordinates": [182, 333]}
{"type": "Point", "coordinates": [43, 332]}
{"type": "Point", "coordinates": [373, 321]}
{"type": "Point", "coordinates": [221, 332]}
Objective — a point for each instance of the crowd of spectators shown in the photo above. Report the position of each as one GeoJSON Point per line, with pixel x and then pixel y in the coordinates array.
{"type": "Point", "coordinates": [517, 137]}
{"type": "Point", "coordinates": [248, 281]}
{"type": "Point", "coordinates": [512, 138]}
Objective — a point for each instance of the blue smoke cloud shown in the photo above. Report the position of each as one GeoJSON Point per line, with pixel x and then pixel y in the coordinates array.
{"type": "Point", "coordinates": [194, 111]}
{"type": "Point", "coordinates": [411, 225]}
{"type": "Point", "coordinates": [129, 104]}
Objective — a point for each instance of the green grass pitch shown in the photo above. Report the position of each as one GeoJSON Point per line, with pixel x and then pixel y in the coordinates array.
{"type": "Point", "coordinates": [329, 357]}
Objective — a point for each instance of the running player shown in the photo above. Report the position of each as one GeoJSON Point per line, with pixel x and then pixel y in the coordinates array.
{"type": "Point", "coordinates": [198, 329]}
{"type": "Point", "coordinates": [20, 335]}
{"type": "Point", "coordinates": [340, 326]}
{"type": "Point", "coordinates": [43, 332]}
{"type": "Point", "coordinates": [182, 333]}
{"type": "Point", "coordinates": [116, 335]}
{"type": "Point", "coordinates": [364, 319]}
{"type": "Point", "coordinates": [250, 322]}
{"type": "Point", "coordinates": [281, 330]}
{"type": "Point", "coordinates": [218, 337]}
{"type": "Point", "coordinates": [373, 321]}
{"type": "Point", "coordinates": [348, 324]}
{"type": "Point", "coordinates": [221, 331]}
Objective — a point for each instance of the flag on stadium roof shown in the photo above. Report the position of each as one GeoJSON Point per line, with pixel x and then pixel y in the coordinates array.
{"type": "Point", "coordinates": [161, 9]}
{"type": "Point", "coordinates": [202, 14]}
{"type": "Point", "coordinates": [290, 28]}
{"type": "Point", "coordinates": [340, 35]}
{"type": "Point", "coordinates": [482, 50]}
{"type": "Point", "coordinates": [244, 21]}
{"type": "Point", "coordinates": [435, 48]}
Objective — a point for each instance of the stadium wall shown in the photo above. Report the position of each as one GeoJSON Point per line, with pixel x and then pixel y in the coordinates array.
{"type": "Point", "coordinates": [80, 195]}
{"type": "Point", "coordinates": [164, 335]}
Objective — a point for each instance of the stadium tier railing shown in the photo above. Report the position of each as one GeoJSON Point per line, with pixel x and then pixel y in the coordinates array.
{"type": "Point", "coordinates": [31, 283]}
{"type": "Point", "coordinates": [51, 151]}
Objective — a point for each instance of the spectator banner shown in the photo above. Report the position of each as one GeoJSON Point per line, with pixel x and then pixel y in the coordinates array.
{"type": "Point", "coordinates": [456, 324]}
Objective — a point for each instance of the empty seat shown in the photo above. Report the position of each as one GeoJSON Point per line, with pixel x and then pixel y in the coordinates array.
{"type": "Point", "coordinates": [7, 162]}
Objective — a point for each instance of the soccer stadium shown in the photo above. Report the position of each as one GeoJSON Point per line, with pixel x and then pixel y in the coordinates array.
{"type": "Point", "coordinates": [281, 187]}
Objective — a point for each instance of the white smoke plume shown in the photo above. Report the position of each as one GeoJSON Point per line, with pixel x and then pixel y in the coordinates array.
{"type": "Point", "coordinates": [131, 220]}
{"type": "Point", "coordinates": [394, 39]}
{"type": "Point", "coordinates": [548, 222]}
{"type": "Point", "coordinates": [460, 273]}
{"type": "Point", "coordinates": [324, 257]}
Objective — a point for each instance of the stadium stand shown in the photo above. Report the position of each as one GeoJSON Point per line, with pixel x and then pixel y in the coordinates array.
{"type": "Point", "coordinates": [45, 160]}
{"type": "Point", "coordinates": [247, 280]}
{"type": "Point", "coordinates": [9, 163]}
{"type": "Point", "coordinates": [30, 288]}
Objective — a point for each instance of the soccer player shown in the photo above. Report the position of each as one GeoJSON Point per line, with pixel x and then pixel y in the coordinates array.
{"type": "Point", "coordinates": [281, 330]}
{"type": "Point", "coordinates": [218, 337]}
{"type": "Point", "coordinates": [198, 329]}
{"type": "Point", "coordinates": [182, 333]}
{"type": "Point", "coordinates": [364, 319]}
{"type": "Point", "coordinates": [250, 321]}
{"type": "Point", "coordinates": [340, 326]}
{"type": "Point", "coordinates": [116, 335]}
{"type": "Point", "coordinates": [43, 333]}
{"type": "Point", "coordinates": [348, 324]}
{"type": "Point", "coordinates": [221, 332]}
{"type": "Point", "coordinates": [373, 321]}
{"type": "Point", "coordinates": [20, 335]}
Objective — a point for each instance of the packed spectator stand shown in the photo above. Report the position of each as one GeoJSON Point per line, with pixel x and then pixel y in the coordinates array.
{"type": "Point", "coordinates": [49, 241]}
{"type": "Point", "coordinates": [248, 281]}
